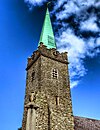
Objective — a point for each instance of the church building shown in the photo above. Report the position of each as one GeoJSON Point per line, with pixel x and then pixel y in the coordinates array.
{"type": "Point", "coordinates": [48, 104]}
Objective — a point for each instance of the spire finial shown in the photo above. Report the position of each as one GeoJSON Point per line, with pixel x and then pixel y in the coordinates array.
{"type": "Point", "coordinates": [48, 3]}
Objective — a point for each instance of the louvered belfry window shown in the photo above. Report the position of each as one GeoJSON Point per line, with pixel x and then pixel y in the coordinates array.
{"type": "Point", "coordinates": [55, 73]}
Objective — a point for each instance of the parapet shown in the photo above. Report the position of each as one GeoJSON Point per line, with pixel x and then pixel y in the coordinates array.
{"type": "Point", "coordinates": [49, 53]}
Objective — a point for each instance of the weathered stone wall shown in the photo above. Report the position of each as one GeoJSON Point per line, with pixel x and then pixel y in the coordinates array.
{"type": "Point", "coordinates": [31, 85]}
{"type": "Point", "coordinates": [52, 95]}
{"type": "Point", "coordinates": [60, 115]}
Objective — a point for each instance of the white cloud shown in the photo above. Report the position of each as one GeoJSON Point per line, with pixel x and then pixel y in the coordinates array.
{"type": "Point", "coordinates": [93, 48]}
{"type": "Point", "coordinates": [90, 24]}
{"type": "Point", "coordinates": [76, 52]}
{"type": "Point", "coordinates": [98, 42]}
{"type": "Point", "coordinates": [85, 2]}
{"type": "Point", "coordinates": [97, 4]}
{"type": "Point", "coordinates": [72, 6]}
{"type": "Point", "coordinates": [69, 8]}
{"type": "Point", "coordinates": [78, 48]}
{"type": "Point", "coordinates": [74, 83]}
{"type": "Point", "coordinates": [35, 2]}
{"type": "Point", "coordinates": [59, 3]}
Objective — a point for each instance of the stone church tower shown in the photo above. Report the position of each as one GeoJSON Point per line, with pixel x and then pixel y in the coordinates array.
{"type": "Point", "coordinates": [48, 104]}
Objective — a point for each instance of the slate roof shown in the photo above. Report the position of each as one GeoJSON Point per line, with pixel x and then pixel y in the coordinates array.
{"type": "Point", "coordinates": [82, 123]}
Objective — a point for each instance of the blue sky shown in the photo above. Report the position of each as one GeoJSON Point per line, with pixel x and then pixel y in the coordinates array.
{"type": "Point", "coordinates": [19, 35]}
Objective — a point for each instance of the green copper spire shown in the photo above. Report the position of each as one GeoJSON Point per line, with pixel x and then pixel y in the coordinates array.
{"type": "Point", "coordinates": [47, 35]}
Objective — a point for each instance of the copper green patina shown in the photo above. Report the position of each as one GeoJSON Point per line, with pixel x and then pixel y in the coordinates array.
{"type": "Point", "coordinates": [47, 35]}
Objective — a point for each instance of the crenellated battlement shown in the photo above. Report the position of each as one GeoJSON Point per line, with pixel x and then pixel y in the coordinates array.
{"type": "Point", "coordinates": [50, 53]}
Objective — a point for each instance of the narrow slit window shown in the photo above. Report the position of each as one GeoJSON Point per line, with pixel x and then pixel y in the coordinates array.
{"type": "Point", "coordinates": [57, 100]}
{"type": "Point", "coordinates": [55, 73]}
{"type": "Point", "coordinates": [33, 76]}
